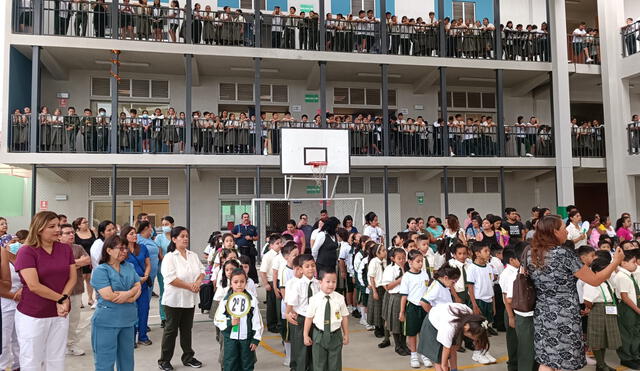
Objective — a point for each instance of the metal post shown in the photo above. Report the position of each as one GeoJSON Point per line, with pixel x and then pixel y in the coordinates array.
{"type": "Point", "coordinates": [188, 21]}
{"type": "Point", "coordinates": [115, 127]}
{"type": "Point", "coordinates": [441, 31]}
{"type": "Point", "coordinates": [443, 111]}
{"type": "Point", "coordinates": [497, 45]}
{"type": "Point", "coordinates": [384, 47]}
{"type": "Point", "coordinates": [384, 86]}
{"type": "Point", "coordinates": [35, 98]}
{"type": "Point", "coordinates": [323, 26]}
{"type": "Point", "coordinates": [257, 212]}
{"type": "Point", "coordinates": [34, 182]}
{"type": "Point", "coordinates": [445, 184]}
{"type": "Point", "coordinates": [549, 30]}
{"type": "Point", "coordinates": [187, 197]}
{"type": "Point", "coordinates": [503, 194]}
{"type": "Point", "coordinates": [386, 205]}
{"type": "Point", "coordinates": [188, 66]}
{"type": "Point", "coordinates": [323, 94]}
{"type": "Point", "coordinates": [115, 19]}
{"type": "Point", "coordinates": [256, 98]}
{"type": "Point", "coordinates": [500, 111]}
{"type": "Point", "coordinates": [38, 9]}
{"type": "Point", "coordinates": [114, 188]}
{"type": "Point", "coordinates": [257, 42]}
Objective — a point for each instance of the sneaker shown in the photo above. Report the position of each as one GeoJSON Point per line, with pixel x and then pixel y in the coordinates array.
{"type": "Point", "coordinates": [591, 361]}
{"type": "Point", "coordinates": [370, 327]}
{"type": "Point", "coordinates": [146, 342]}
{"type": "Point", "coordinates": [165, 366]}
{"type": "Point", "coordinates": [480, 358]}
{"type": "Point", "coordinates": [285, 363]}
{"type": "Point", "coordinates": [415, 363]}
{"type": "Point", "coordinates": [529, 155]}
{"type": "Point", "coordinates": [492, 331]}
{"type": "Point", "coordinates": [589, 60]}
{"type": "Point", "coordinates": [194, 363]}
{"type": "Point", "coordinates": [452, 154]}
{"type": "Point", "coordinates": [73, 351]}
{"type": "Point", "coordinates": [426, 361]}
{"type": "Point", "coordinates": [488, 356]}
{"type": "Point", "coordinates": [363, 322]}
{"type": "Point", "coordinates": [356, 314]}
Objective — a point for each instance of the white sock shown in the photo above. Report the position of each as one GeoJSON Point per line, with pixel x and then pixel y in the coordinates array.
{"type": "Point", "coordinates": [364, 315]}
{"type": "Point", "coordinates": [287, 351]}
{"type": "Point", "coordinates": [414, 355]}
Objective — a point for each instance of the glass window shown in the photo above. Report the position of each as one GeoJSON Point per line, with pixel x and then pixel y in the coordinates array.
{"type": "Point", "coordinates": [231, 212]}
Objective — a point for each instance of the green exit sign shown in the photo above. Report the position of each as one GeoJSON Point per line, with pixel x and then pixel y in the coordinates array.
{"type": "Point", "coordinates": [306, 8]}
{"type": "Point", "coordinates": [311, 98]}
{"type": "Point", "coordinates": [313, 189]}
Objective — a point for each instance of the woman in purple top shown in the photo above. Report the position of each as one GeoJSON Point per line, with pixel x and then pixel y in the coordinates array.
{"type": "Point", "coordinates": [623, 230]}
{"type": "Point", "coordinates": [48, 274]}
{"type": "Point", "coordinates": [297, 234]}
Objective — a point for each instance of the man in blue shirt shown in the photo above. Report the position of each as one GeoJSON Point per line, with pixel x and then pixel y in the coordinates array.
{"type": "Point", "coordinates": [246, 235]}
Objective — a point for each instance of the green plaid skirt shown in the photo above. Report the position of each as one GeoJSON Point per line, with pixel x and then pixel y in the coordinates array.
{"type": "Point", "coordinates": [602, 329]}
{"type": "Point", "coordinates": [391, 313]}
{"type": "Point", "coordinates": [374, 308]}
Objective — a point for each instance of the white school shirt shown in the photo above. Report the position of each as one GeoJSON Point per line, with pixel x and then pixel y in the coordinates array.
{"type": "Point", "coordinates": [413, 286]}
{"type": "Point", "coordinates": [460, 284]}
{"type": "Point", "coordinates": [345, 254]}
{"type": "Point", "coordinates": [299, 299]}
{"type": "Point", "coordinates": [593, 294]}
{"type": "Point", "coordinates": [390, 274]}
{"type": "Point", "coordinates": [498, 268]}
{"type": "Point", "coordinates": [580, 287]}
{"type": "Point", "coordinates": [482, 279]}
{"type": "Point", "coordinates": [375, 233]}
{"type": "Point", "coordinates": [278, 263]}
{"type": "Point", "coordinates": [96, 252]}
{"type": "Point", "coordinates": [622, 283]}
{"type": "Point", "coordinates": [435, 259]}
{"type": "Point", "coordinates": [173, 267]}
{"type": "Point", "coordinates": [285, 275]}
{"type": "Point", "coordinates": [578, 35]}
{"type": "Point", "coordinates": [359, 261]}
{"type": "Point", "coordinates": [437, 293]}
{"type": "Point", "coordinates": [267, 263]}
{"type": "Point", "coordinates": [441, 317]}
{"type": "Point", "coordinates": [317, 306]}
{"type": "Point", "coordinates": [288, 293]}
{"type": "Point", "coordinates": [8, 304]}
{"type": "Point", "coordinates": [251, 287]}
{"type": "Point", "coordinates": [221, 321]}
{"type": "Point", "coordinates": [507, 278]}
{"type": "Point", "coordinates": [375, 270]}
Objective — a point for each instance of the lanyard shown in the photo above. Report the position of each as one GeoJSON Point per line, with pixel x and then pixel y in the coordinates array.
{"type": "Point", "coordinates": [604, 298]}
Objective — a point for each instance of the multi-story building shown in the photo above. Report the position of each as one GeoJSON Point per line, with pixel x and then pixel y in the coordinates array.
{"type": "Point", "coordinates": [107, 59]}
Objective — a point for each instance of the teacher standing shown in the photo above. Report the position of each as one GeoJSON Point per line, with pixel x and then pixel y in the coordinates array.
{"type": "Point", "coordinates": [246, 235]}
{"type": "Point", "coordinates": [556, 320]}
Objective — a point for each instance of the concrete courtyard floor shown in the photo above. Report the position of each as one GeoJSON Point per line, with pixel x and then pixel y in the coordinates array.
{"type": "Point", "coordinates": [361, 354]}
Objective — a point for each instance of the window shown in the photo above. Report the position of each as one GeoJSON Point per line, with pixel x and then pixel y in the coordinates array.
{"type": "Point", "coordinates": [479, 184]}
{"type": "Point", "coordinates": [130, 186]}
{"type": "Point", "coordinates": [376, 185]}
{"type": "Point", "coordinates": [131, 88]}
{"type": "Point", "coordinates": [244, 92]}
{"type": "Point", "coordinates": [358, 5]}
{"type": "Point", "coordinates": [231, 211]}
{"type": "Point", "coordinates": [465, 10]}
{"type": "Point", "coordinates": [352, 184]}
{"type": "Point", "coordinates": [248, 4]}
{"type": "Point", "coordinates": [361, 96]}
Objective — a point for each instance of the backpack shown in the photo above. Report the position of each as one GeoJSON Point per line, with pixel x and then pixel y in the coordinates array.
{"type": "Point", "coordinates": [365, 270]}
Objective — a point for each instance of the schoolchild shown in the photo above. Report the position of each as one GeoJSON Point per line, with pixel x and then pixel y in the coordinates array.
{"type": "Point", "coordinates": [361, 263]}
{"type": "Point", "coordinates": [286, 273]}
{"type": "Point", "coordinates": [241, 336]}
{"type": "Point", "coordinates": [587, 255]}
{"type": "Point", "coordinates": [391, 278]}
{"type": "Point", "coordinates": [245, 264]}
{"type": "Point", "coordinates": [330, 327]}
{"type": "Point", "coordinates": [459, 259]}
{"type": "Point", "coordinates": [628, 292]}
{"type": "Point", "coordinates": [266, 276]}
{"type": "Point", "coordinates": [412, 287]}
{"type": "Point", "coordinates": [498, 267]}
{"type": "Point", "coordinates": [345, 267]}
{"type": "Point", "coordinates": [223, 289]}
{"type": "Point", "coordinates": [423, 246]}
{"type": "Point", "coordinates": [378, 262]}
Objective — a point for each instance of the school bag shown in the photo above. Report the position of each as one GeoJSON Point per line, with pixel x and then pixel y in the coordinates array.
{"type": "Point", "coordinates": [524, 292]}
{"type": "Point", "coordinates": [206, 296]}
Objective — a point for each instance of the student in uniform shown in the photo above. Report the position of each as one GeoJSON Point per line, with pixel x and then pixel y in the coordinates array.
{"type": "Point", "coordinates": [423, 246]}
{"type": "Point", "coordinates": [328, 314]}
{"type": "Point", "coordinates": [391, 278]}
{"type": "Point", "coordinates": [344, 262]}
{"type": "Point", "coordinates": [412, 287]}
{"type": "Point", "coordinates": [285, 274]}
{"type": "Point", "coordinates": [266, 275]}
{"type": "Point", "coordinates": [439, 292]}
{"type": "Point", "coordinates": [223, 289]}
{"type": "Point", "coordinates": [628, 292]}
{"type": "Point", "coordinates": [241, 335]}
{"type": "Point", "coordinates": [447, 324]}
{"type": "Point", "coordinates": [602, 327]}
{"type": "Point", "coordinates": [498, 267]}
{"type": "Point", "coordinates": [361, 262]}
{"type": "Point", "coordinates": [459, 257]}
{"type": "Point", "coordinates": [245, 263]}
{"type": "Point", "coordinates": [298, 298]}
{"type": "Point", "coordinates": [480, 286]}
{"type": "Point", "coordinates": [374, 280]}
{"type": "Point", "coordinates": [279, 262]}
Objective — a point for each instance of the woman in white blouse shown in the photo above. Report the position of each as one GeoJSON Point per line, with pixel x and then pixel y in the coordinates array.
{"type": "Point", "coordinates": [183, 273]}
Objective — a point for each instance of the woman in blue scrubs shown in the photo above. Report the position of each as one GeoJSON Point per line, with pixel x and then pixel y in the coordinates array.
{"type": "Point", "coordinates": [112, 327]}
{"type": "Point", "coordinates": [162, 241]}
{"type": "Point", "coordinates": [138, 256]}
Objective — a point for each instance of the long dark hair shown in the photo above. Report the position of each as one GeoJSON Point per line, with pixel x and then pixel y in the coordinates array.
{"type": "Point", "coordinates": [175, 232]}
{"type": "Point", "coordinates": [331, 225]}
{"type": "Point", "coordinates": [224, 282]}
{"type": "Point", "coordinates": [102, 227]}
{"type": "Point", "coordinates": [476, 329]}
{"type": "Point", "coordinates": [123, 235]}
{"type": "Point", "coordinates": [110, 243]}
{"type": "Point", "coordinates": [446, 270]}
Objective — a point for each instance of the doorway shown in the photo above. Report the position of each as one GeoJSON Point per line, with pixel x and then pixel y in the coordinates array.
{"type": "Point", "coordinates": [278, 214]}
{"type": "Point", "coordinates": [587, 203]}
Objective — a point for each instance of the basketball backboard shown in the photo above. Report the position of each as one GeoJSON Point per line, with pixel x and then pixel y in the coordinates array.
{"type": "Point", "coordinates": [301, 147]}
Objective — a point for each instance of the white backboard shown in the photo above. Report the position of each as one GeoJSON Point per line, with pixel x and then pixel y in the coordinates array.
{"type": "Point", "coordinates": [300, 146]}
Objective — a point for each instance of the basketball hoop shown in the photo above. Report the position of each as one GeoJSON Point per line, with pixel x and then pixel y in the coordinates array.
{"type": "Point", "coordinates": [319, 169]}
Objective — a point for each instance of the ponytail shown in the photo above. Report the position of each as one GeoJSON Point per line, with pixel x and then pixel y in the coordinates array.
{"type": "Point", "coordinates": [477, 329]}
{"type": "Point", "coordinates": [453, 273]}
{"type": "Point", "coordinates": [224, 281]}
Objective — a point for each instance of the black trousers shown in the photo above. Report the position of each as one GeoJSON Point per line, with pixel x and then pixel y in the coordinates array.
{"type": "Point", "coordinates": [178, 319]}
{"type": "Point", "coordinates": [273, 322]}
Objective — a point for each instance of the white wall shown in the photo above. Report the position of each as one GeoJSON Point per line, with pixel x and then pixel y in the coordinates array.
{"type": "Point", "coordinates": [523, 11]}
{"type": "Point", "coordinates": [414, 9]}
{"type": "Point", "coordinates": [632, 9]}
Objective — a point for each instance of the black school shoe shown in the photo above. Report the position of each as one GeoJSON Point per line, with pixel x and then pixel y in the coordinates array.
{"type": "Point", "coordinates": [492, 331]}
{"type": "Point", "coordinates": [384, 344]}
{"type": "Point", "coordinates": [194, 363]}
{"type": "Point", "coordinates": [356, 314]}
{"type": "Point", "coordinates": [461, 349]}
{"type": "Point", "coordinates": [165, 366]}
{"type": "Point", "coordinates": [634, 365]}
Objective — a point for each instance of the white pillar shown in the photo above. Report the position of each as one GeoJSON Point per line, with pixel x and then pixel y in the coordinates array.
{"type": "Point", "coordinates": [615, 101]}
{"type": "Point", "coordinates": [561, 103]}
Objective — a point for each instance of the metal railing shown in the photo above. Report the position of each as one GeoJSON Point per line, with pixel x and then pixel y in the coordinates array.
{"type": "Point", "coordinates": [587, 141]}
{"type": "Point", "coordinates": [73, 134]}
{"type": "Point", "coordinates": [282, 31]}
{"type": "Point", "coordinates": [527, 140]}
{"type": "Point", "coordinates": [584, 49]}
{"type": "Point", "coordinates": [19, 132]}
{"type": "Point", "coordinates": [630, 35]}
{"type": "Point", "coordinates": [633, 138]}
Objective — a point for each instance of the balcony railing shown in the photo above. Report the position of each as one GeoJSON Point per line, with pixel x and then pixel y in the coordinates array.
{"type": "Point", "coordinates": [584, 49]}
{"type": "Point", "coordinates": [283, 31]}
{"type": "Point", "coordinates": [630, 35]}
{"type": "Point", "coordinates": [587, 141]}
{"type": "Point", "coordinates": [633, 138]}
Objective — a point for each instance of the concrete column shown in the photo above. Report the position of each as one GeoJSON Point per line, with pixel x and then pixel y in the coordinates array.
{"type": "Point", "coordinates": [561, 103]}
{"type": "Point", "coordinates": [615, 100]}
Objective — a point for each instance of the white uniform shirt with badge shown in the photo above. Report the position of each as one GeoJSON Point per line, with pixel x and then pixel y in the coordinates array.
{"type": "Point", "coordinates": [220, 320]}
{"type": "Point", "coordinates": [507, 278]}
{"type": "Point", "coordinates": [345, 254]}
{"type": "Point", "coordinates": [498, 268]}
{"type": "Point", "coordinates": [413, 285]}
{"type": "Point", "coordinates": [441, 317]}
{"type": "Point", "coordinates": [622, 283]}
{"type": "Point", "coordinates": [437, 293]}
{"type": "Point", "coordinates": [298, 298]}
{"type": "Point", "coordinates": [287, 296]}
{"type": "Point", "coordinates": [267, 263]}
{"type": "Point", "coordinates": [460, 284]}
{"type": "Point", "coordinates": [481, 276]}
{"type": "Point", "coordinates": [278, 263]}
{"type": "Point", "coordinates": [595, 295]}
{"type": "Point", "coordinates": [317, 305]}
{"type": "Point", "coordinates": [390, 274]}
{"type": "Point", "coordinates": [375, 270]}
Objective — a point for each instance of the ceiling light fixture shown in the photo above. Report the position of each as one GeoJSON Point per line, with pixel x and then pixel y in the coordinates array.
{"type": "Point", "coordinates": [129, 64]}
{"type": "Point", "coordinates": [369, 74]}
{"type": "Point", "coordinates": [250, 69]}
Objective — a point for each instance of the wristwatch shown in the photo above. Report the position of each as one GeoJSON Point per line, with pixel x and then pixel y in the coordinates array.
{"type": "Point", "coordinates": [63, 298]}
